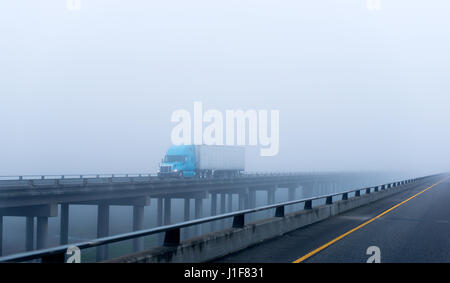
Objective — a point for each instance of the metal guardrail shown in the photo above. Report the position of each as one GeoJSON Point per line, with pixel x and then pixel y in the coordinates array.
{"type": "Point", "coordinates": [36, 181]}
{"type": "Point", "coordinates": [172, 232]}
{"type": "Point", "coordinates": [128, 175]}
{"type": "Point", "coordinates": [71, 176]}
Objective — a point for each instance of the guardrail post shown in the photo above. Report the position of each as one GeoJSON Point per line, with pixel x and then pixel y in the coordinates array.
{"type": "Point", "coordinates": [368, 191]}
{"type": "Point", "coordinates": [172, 238]}
{"type": "Point", "coordinates": [239, 221]}
{"type": "Point", "coordinates": [308, 204]}
{"type": "Point", "coordinates": [279, 211]}
{"type": "Point", "coordinates": [345, 196]}
{"type": "Point", "coordinates": [383, 187]}
{"type": "Point", "coordinates": [375, 189]}
{"type": "Point", "coordinates": [357, 193]}
{"type": "Point", "coordinates": [329, 200]}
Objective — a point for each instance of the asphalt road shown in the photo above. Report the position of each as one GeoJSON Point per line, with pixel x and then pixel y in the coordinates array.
{"type": "Point", "coordinates": [416, 231]}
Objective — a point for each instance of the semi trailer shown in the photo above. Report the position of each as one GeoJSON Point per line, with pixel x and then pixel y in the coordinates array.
{"type": "Point", "coordinates": [202, 161]}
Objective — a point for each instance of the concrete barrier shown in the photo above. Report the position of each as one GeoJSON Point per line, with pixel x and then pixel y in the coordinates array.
{"type": "Point", "coordinates": [218, 244]}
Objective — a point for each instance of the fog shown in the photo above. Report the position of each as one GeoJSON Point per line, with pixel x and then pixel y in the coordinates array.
{"type": "Point", "coordinates": [93, 90]}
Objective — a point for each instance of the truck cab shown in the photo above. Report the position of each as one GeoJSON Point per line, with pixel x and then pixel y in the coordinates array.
{"type": "Point", "coordinates": [179, 161]}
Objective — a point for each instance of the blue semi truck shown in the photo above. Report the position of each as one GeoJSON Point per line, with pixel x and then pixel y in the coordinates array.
{"type": "Point", "coordinates": [202, 161]}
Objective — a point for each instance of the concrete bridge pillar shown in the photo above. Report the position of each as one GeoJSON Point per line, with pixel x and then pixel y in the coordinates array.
{"type": "Point", "coordinates": [198, 208]}
{"type": "Point", "coordinates": [243, 201]}
{"type": "Point", "coordinates": [102, 230]}
{"type": "Point", "coordinates": [222, 203]}
{"type": "Point", "coordinates": [223, 208]}
{"type": "Point", "coordinates": [270, 200]}
{"type": "Point", "coordinates": [42, 212]}
{"type": "Point", "coordinates": [187, 212]}
{"type": "Point", "coordinates": [291, 193]}
{"type": "Point", "coordinates": [159, 212]}
{"type": "Point", "coordinates": [167, 210]}
{"type": "Point", "coordinates": [64, 225]}
{"type": "Point", "coordinates": [29, 233]}
{"type": "Point", "coordinates": [291, 196]}
{"type": "Point", "coordinates": [251, 203]}
{"type": "Point", "coordinates": [213, 204]}
{"type": "Point", "coordinates": [230, 202]}
{"type": "Point", "coordinates": [138, 203]}
{"type": "Point", "coordinates": [229, 208]}
{"type": "Point", "coordinates": [138, 224]}
{"type": "Point", "coordinates": [213, 209]}
{"type": "Point", "coordinates": [159, 218]}
{"type": "Point", "coordinates": [310, 189]}
{"type": "Point", "coordinates": [187, 209]}
{"type": "Point", "coordinates": [42, 232]}
{"type": "Point", "coordinates": [252, 198]}
{"type": "Point", "coordinates": [198, 214]}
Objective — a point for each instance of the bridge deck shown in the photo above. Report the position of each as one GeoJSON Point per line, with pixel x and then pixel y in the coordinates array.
{"type": "Point", "coordinates": [416, 231]}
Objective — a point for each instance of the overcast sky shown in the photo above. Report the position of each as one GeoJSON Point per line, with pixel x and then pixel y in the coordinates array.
{"type": "Point", "coordinates": [93, 90]}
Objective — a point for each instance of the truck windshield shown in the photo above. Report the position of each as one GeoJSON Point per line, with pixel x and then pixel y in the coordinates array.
{"type": "Point", "coordinates": [174, 158]}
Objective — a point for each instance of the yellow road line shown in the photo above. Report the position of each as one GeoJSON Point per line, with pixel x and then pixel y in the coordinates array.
{"type": "Point", "coordinates": [308, 255]}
